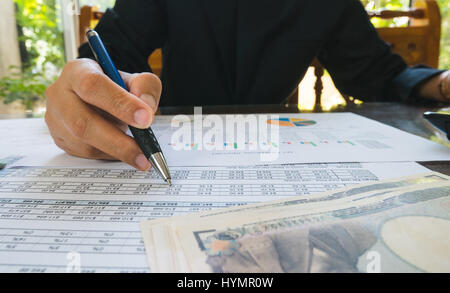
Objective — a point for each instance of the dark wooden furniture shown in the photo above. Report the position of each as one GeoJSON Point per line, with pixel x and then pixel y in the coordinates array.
{"type": "Point", "coordinates": [89, 16]}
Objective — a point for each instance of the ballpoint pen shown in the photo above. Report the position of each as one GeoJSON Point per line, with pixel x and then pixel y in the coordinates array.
{"type": "Point", "coordinates": [145, 138]}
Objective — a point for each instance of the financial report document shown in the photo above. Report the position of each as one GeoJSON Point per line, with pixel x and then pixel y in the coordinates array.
{"type": "Point", "coordinates": [274, 139]}
{"type": "Point", "coordinates": [50, 216]}
{"type": "Point", "coordinates": [57, 211]}
{"type": "Point", "coordinates": [289, 139]}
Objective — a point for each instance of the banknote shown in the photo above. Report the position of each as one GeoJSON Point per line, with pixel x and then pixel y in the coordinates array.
{"type": "Point", "coordinates": [398, 225]}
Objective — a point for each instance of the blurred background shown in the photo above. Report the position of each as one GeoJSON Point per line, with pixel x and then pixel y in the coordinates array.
{"type": "Point", "coordinates": [37, 37]}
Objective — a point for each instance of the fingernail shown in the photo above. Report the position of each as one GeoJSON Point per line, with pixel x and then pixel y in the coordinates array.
{"type": "Point", "coordinates": [142, 162]}
{"type": "Point", "coordinates": [142, 117]}
{"type": "Point", "coordinates": [149, 100]}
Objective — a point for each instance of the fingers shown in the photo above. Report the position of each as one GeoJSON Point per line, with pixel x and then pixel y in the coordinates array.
{"type": "Point", "coordinates": [87, 112]}
{"type": "Point", "coordinates": [446, 86]}
{"type": "Point", "coordinates": [95, 88]}
{"type": "Point", "coordinates": [84, 132]}
{"type": "Point", "coordinates": [71, 145]}
{"type": "Point", "coordinates": [146, 86]}
{"type": "Point", "coordinates": [93, 130]}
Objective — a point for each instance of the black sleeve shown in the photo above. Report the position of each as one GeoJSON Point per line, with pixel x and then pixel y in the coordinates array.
{"type": "Point", "coordinates": [363, 66]}
{"type": "Point", "coordinates": [131, 31]}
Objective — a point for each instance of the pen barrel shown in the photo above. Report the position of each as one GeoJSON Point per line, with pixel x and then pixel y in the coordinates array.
{"type": "Point", "coordinates": [146, 140]}
{"type": "Point", "coordinates": [104, 60]}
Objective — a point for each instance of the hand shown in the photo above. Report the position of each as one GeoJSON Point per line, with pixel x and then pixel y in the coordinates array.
{"type": "Point", "coordinates": [431, 89]}
{"type": "Point", "coordinates": [444, 86]}
{"type": "Point", "coordinates": [87, 113]}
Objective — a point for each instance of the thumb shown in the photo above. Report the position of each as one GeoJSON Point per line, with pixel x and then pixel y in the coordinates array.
{"type": "Point", "coordinates": [145, 86]}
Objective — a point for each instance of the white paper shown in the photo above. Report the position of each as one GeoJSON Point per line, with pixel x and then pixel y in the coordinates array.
{"type": "Point", "coordinates": [324, 138]}
{"type": "Point", "coordinates": [58, 219]}
{"type": "Point", "coordinates": [319, 138]}
{"type": "Point", "coordinates": [60, 213]}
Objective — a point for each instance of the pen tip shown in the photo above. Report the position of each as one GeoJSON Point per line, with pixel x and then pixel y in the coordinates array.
{"type": "Point", "coordinates": [169, 182]}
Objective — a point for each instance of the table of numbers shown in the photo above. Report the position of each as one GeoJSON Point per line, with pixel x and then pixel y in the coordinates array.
{"type": "Point", "coordinates": [49, 214]}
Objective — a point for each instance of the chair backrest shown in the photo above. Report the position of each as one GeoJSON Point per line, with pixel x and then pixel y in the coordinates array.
{"type": "Point", "coordinates": [419, 42]}
{"type": "Point", "coordinates": [89, 17]}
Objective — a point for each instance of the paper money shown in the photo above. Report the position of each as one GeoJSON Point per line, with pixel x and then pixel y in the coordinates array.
{"type": "Point", "coordinates": [400, 225]}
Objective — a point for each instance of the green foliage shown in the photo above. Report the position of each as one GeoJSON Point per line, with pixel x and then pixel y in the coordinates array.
{"type": "Point", "coordinates": [372, 5]}
{"type": "Point", "coordinates": [44, 45]}
{"type": "Point", "coordinates": [102, 4]}
{"type": "Point", "coordinates": [42, 34]}
{"type": "Point", "coordinates": [26, 87]}
{"type": "Point", "coordinates": [444, 60]}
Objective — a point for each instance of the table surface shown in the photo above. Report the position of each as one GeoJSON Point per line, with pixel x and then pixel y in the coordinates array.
{"type": "Point", "coordinates": [408, 118]}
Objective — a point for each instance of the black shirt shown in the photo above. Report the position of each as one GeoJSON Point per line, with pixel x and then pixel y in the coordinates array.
{"type": "Point", "coordinates": [218, 52]}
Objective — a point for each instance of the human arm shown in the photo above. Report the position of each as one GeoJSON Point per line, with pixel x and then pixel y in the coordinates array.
{"type": "Point", "coordinates": [87, 114]}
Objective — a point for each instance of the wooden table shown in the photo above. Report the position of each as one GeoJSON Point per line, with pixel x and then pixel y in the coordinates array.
{"type": "Point", "coordinates": [408, 118]}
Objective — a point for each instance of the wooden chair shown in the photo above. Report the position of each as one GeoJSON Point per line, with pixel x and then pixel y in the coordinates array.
{"type": "Point", "coordinates": [89, 17]}
{"type": "Point", "coordinates": [418, 43]}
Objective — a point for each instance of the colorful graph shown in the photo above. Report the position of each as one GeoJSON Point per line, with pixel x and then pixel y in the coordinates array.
{"type": "Point", "coordinates": [291, 122]}
{"type": "Point", "coordinates": [233, 145]}
{"type": "Point", "coordinates": [270, 143]}
{"type": "Point", "coordinates": [191, 146]}
{"type": "Point", "coordinates": [345, 142]}
{"type": "Point", "coordinates": [226, 145]}
{"type": "Point", "coordinates": [308, 142]}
